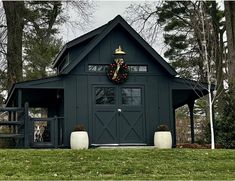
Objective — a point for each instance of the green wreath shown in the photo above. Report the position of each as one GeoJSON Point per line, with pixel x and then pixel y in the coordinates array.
{"type": "Point", "coordinates": [120, 76]}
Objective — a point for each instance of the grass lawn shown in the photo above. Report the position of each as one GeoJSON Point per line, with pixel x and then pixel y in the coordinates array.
{"type": "Point", "coordinates": [94, 164]}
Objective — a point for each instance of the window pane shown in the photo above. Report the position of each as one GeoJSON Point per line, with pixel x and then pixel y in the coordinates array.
{"type": "Point", "coordinates": [100, 68]}
{"type": "Point", "coordinates": [142, 68]}
{"type": "Point", "coordinates": [97, 68]}
{"type": "Point", "coordinates": [110, 100]}
{"type": "Point", "coordinates": [136, 92]}
{"type": "Point", "coordinates": [126, 101]}
{"type": "Point", "coordinates": [133, 68]}
{"type": "Point", "coordinates": [131, 96]}
{"type": "Point", "coordinates": [136, 101]}
{"type": "Point", "coordinates": [99, 96]}
{"type": "Point", "coordinates": [105, 95]}
{"type": "Point", "coordinates": [92, 68]}
{"type": "Point", "coordinates": [137, 68]}
{"type": "Point", "coordinates": [126, 92]}
{"type": "Point", "coordinates": [109, 91]}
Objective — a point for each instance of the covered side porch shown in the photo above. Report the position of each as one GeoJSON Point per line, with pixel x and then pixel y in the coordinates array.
{"type": "Point", "coordinates": [43, 100]}
{"type": "Point", "coordinates": [186, 92]}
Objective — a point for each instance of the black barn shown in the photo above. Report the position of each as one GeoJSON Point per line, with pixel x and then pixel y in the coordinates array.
{"type": "Point", "coordinates": [125, 113]}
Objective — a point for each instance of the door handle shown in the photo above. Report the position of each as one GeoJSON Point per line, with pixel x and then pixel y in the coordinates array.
{"type": "Point", "coordinates": [119, 111]}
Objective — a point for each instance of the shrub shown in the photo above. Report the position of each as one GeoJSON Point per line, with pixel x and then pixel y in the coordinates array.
{"type": "Point", "coordinates": [162, 127]}
{"type": "Point", "coordinates": [196, 146]}
{"type": "Point", "coordinates": [6, 142]}
{"type": "Point", "coordinates": [80, 127]}
{"type": "Point", "coordinates": [225, 125]}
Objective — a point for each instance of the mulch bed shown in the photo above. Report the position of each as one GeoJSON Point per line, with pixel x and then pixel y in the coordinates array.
{"type": "Point", "coordinates": [196, 146]}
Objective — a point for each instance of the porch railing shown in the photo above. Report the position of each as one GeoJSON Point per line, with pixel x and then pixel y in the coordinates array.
{"type": "Point", "coordinates": [17, 125]}
{"type": "Point", "coordinates": [12, 122]}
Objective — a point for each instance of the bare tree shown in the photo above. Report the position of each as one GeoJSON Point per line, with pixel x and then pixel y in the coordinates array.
{"type": "Point", "coordinates": [3, 41]}
{"type": "Point", "coordinates": [84, 10]}
{"type": "Point", "coordinates": [144, 18]}
{"type": "Point", "coordinates": [209, 55]}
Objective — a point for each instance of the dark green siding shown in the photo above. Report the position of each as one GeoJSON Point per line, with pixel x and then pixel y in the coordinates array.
{"type": "Point", "coordinates": [103, 53]}
{"type": "Point", "coordinates": [82, 101]}
{"type": "Point", "coordinates": [70, 104]}
{"type": "Point", "coordinates": [78, 85]}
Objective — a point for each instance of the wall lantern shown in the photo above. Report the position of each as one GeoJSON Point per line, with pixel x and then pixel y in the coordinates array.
{"type": "Point", "coordinates": [119, 53]}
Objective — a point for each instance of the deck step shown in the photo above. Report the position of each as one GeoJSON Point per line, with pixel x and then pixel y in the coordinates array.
{"type": "Point", "coordinates": [9, 135]}
{"type": "Point", "coordinates": [11, 123]}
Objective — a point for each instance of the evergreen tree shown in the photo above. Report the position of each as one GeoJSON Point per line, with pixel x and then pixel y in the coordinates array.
{"type": "Point", "coordinates": [225, 124]}
{"type": "Point", "coordinates": [39, 56]}
{"type": "Point", "coordinates": [40, 41]}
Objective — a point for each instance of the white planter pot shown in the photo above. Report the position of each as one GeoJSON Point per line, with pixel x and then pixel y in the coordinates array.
{"type": "Point", "coordinates": [163, 139]}
{"type": "Point", "coordinates": [79, 140]}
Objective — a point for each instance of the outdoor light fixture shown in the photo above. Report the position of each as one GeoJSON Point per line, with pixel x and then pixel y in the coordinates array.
{"type": "Point", "coordinates": [119, 53]}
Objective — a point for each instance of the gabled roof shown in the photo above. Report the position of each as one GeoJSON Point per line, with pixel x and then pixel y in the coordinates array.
{"type": "Point", "coordinates": [186, 90]}
{"type": "Point", "coordinates": [99, 34]}
{"type": "Point", "coordinates": [77, 41]}
{"type": "Point", "coordinates": [37, 83]}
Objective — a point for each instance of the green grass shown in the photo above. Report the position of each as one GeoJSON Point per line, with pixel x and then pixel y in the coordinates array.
{"type": "Point", "coordinates": [94, 164]}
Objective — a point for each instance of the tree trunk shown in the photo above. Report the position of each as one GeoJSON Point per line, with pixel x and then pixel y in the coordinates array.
{"type": "Point", "coordinates": [14, 11]}
{"type": "Point", "coordinates": [230, 29]}
{"type": "Point", "coordinates": [218, 48]}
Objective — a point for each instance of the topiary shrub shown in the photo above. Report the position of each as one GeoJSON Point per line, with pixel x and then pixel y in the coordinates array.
{"type": "Point", "coordinates": [80, 127]}
{"type": "Point", "coordinates": [162, 127]}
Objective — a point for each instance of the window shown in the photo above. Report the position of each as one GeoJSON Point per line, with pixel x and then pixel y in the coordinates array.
{"type": "Point", "coordinates": [105, 95]}
{"type": "Point", "coordinates": [138, 68]}
{"type": "Point", "coordinates": [97, 68]}
{"type": "Point", "coordinates": [131, 96]}
{"type": "Point", "coordinates": [103, 68]}
{"type": "Point", "coordinates": [63, 64]}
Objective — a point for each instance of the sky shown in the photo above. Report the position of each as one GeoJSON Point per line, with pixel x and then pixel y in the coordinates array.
{"type": "Point", "coordinates": [104, 12]}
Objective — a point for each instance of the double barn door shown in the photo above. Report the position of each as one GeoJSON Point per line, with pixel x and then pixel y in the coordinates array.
{"type": "Point", "coordinates": [118, 115]}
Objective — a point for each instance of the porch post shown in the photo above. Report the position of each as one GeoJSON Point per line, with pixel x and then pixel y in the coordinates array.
{"type": "Point", "coordinates": [56, 131]}
{"type": "Point", "coordinates": [191, 106]}
{"type": "Point", "coordinates": [26, 125]}
{"type": "Point", "coordinates": [19, 100]}
{"type": "Point", "coordinates": [174, 129]}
